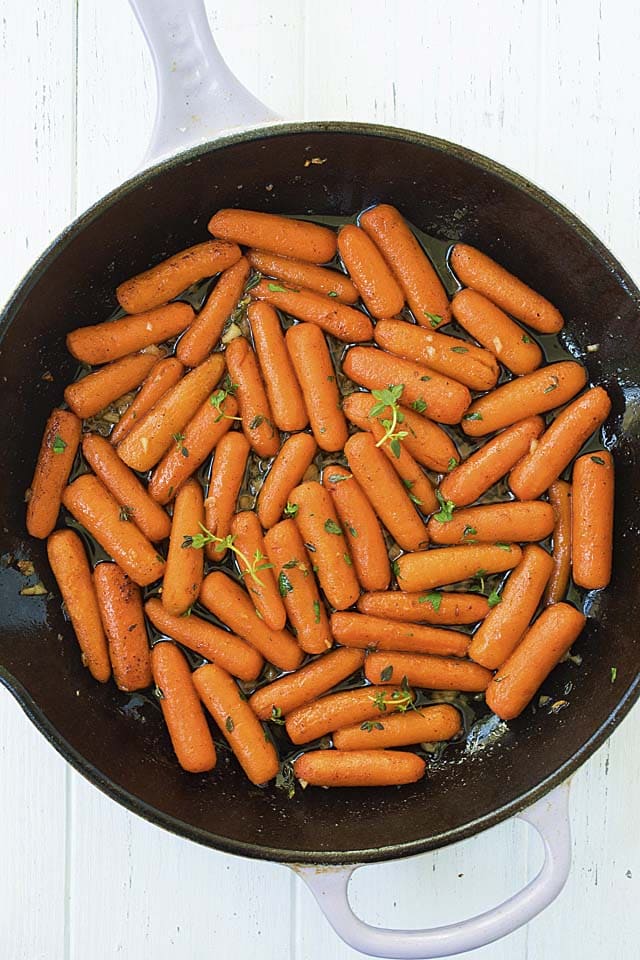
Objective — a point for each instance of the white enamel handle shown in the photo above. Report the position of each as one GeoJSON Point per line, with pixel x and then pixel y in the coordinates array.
{"type": "Point", "coordinates": [549, 816]}
{"type": "Point", "coordinates": [198, 95]}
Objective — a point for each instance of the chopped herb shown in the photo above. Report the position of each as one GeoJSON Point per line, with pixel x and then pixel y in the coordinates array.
{"type": "Point", "coordinates": [434, 599]}
{"type": "Point", "coordinates": [614, 674]}
{"type": "Point", "coordinates": [434, 319]}
{"type": "Point", "coordinates": [395, 566]}
{"type": "Point", "coordinates": [370, 725]}
{"type": "Point", "coordinates": [390, 397]}
{"type": "Point", "coordinates": [552, 386]}
{"type": "Point", "coordinates": [187, 612]}
{"type": "Point", "coordinates": [403, 698]}
{"type": "Point", "coordinates": [469, 532]}
{"type": "Point", "coordinates": [331, 378]}
{"type": "Point", "coordinates": [352, 531]}
{"type": "Point", "coordinates": [291, 509]}
{"type": "Point", "coordinates": [347, 559]}
{"type": "Point", "coordinates": [338, 477]}
{"type": "Point", "coordinates": [229, 724]}
{"type": "Point", "coordinates": [170, 491]}
{"type": "Point", "coordinates": [445, 513]}
{"type": "Point", "coordinates": [598, 460]}
{"type": "Point", "coordinates": [380, 700]}
{"type": "Point", "coordinates": [453, 463]}
{"type": "Point", "coordinates": [472, 416]}
{"type": "Point", "coordinates": [286, 779]}
{"type": "Point", "coordinates": [290, 564]}
{"type": "Point", "coordinates": [310, 547]}
{"type": "Point", "coordinates": [276, 716]}
{"type": "Point", "coordinates": [525, 338]}
{"type": "Point", "coordinates": [494, 598]}
{"type": "Point", "coordinates": [504, 546]}
{"type": "Point", "coordinates": [386, 674]}
{"type": "Point", "coordinates": [332, 527]}
{"type": "Point", "coordinates": [479, 575]}
{"type": "Point", "coordinates": [184, 452]}
{"type": "Point", "coordinates": [284, 584]}
{"type": "Point", "coordinates": [425, 379]}
{"type": "Point", "coordinates": [257, 421]}
{"type": "Point", "coordinates": [332, 293]}
{"type": "Point", "coordinates": [419, 405]}
{"type": "Point", "coordinates": [316, 611]}
{"type": "Point", "coordinates": [178, 437]}
{"type": "Point", "coordinates": [59, 445]}
{"type": "Point", "coordinates": [253, 281]}
{"type": "Point", "coordinates": [459, 350]}
{"type": "Point", "coordinates": [394, 445]}
{"type": "Point", "coordinates": [276, 288]}
{"type": "Point", "coordinates": [126, 513]}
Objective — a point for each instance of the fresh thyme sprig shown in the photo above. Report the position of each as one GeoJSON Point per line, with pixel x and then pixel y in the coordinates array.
{"type": "Point", "coordinates": [253, 567]}
{"type": "Point", "coordinates": [390, 397]}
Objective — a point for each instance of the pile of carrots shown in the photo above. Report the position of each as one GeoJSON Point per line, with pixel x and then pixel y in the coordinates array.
{"type": "Point", "coordinates": [315, 594]}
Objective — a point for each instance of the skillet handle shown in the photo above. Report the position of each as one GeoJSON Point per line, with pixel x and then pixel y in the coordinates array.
{"type": "Point", "coordinates": [198, 95]}
{"type": "Point", "coordinates": [550, 818]}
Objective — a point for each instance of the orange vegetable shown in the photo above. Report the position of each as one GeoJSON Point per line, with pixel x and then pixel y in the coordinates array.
{"type": "Point", "coordinates": [374, 280]}
{"type": "Point", "coordinates": [268, 231]}
{"type": "Point", "coordinates": [497, 332]}
{"type": "Point", "coordinates": [358, 768]}
{"type": "Point", "coordinates": [433, 568]}
{"type": "Point", "coordinates": [312, 362]}
{"type": "Point", "coordinates": [97, 390]}
{"type": "Point", "coordinates": [423, 670]}
{"type": "Point", "coordinates": [248, 539]}
{"type": "Point", "coordinates": [592, 519]}
{"type": "Point", "coordinates": [120, 604]}
{"type": "Point", "coordinates": [227, 474]}
{"type": "Point", "coordinates": [257, 419]}
{"type": "Point", "coordinates": [426, 725]}
{"type": "Point", "coordinates": [560, 500]}
{"type": "Point", "coordinates": [437, 607]}
{"type": "Point", "coordinates": [299, 274]}
{"type": "Point", "coordinates": [374, 633]}
{"type": "Point", "coordinates": [205, 331]}
{"type": "Point", "coordinates": [287, 470]}
{"type": "Point", "coordinates": [108, 341]}
{"type": "Point", "coordinates": [184, 570]}
{"type": "Point", "coordinates": [318, 718]}
{"type": "Point", "coordinates": [283, 389]}
{"type": "Point", "coordinates": [60, 441]}
{"type": "Point", "coordinates": [164, 375]}
{"type": "Point", "coordinates": [311, 681]}
{"type": "Point", "coordinates": [492, 522]}
{"type": "Point", "coordinates": [328, 313]}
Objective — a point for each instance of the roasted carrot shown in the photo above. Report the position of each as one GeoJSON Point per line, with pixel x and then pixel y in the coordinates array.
{"type": "Point", "coordinates": [592, 519]}
{"type": "Point", "coordinates": [97, 390]}
{"type": "Point", "coordinates": [120, 604]}
{"type": "Point", "coordinates": [268, 231]}
{"type": "Point", "coordinates": [358, 768]}
{"type": "Point", "coordinates": [296, 273]}
{"type": "Point", "coordinates": [544, 644]}
{"type": "Point", "coordinates": [433, 568]}
{"type": "Point", "coordinates": [205, 331]}
{"type": "Point", "coordinates": [373, 633]}
{"type": "Point", "coordinates": [256, 570]}
{"type": "Point", "coordinates": [108, 341]}
{"type": "Point", "coordinates": [58, 449]}
{"type": "Point", "coordinates": [73, 576]}
{"type": "Point", "coordinates": [379, 289]}
{"type": "Point", "coordinates": [227, 474]}
{"type": "Point", "coordinates": [100, 513]}
{"type": "Point", "coordinates": [423, 670]}
{"type": "Point", "coordinates": [526, 520]}
{"type": "Point", "coordinates": [312, 363]}
{"type": "Point", "coordinates": [426, 725]}
{"type": "Point", "coordinates": [560, 500]}
{"type": "Point", "coordinates": [283, 389]}
{"type": "Point", "coordinates": [185, 564]}
{"type": "Point", "coordinates": [170, 277]}
{"type": "Point", "coordinates": [328, 313]}
{"type": "Point", "coordinates": [164, 375]}
{"type": "Point", "coordinates": [496, 331]}
{"type": "Point", "coordinates": [257, 419]}
{"type": "Point", "coordinates": [437, 607]}
{"type": "Point", "coordinates": [319, 717]}
{"type": "Point", "coordinates": [478, 271]}
{"type": "Point", "coordinates": [287, 470]}
{"type": "Point", "coordinates": [276, 700]}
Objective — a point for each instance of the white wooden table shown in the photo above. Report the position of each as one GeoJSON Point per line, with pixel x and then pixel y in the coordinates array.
{"type": "Point", "coordinates": [548, 88]}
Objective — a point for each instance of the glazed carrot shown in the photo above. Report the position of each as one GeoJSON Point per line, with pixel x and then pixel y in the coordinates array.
{"type": "Point", "coordinates": [419, 281]}
{"type": "Point", "coordinates": [287, 470]}
{"type": "Point", "coordinates": [386, 492]}
{"type": "Point", "coordinates": [560, 500]}
{"type": "Point", "coordinates": [299, 274]}
{"type": "Point", "coordinates": [478, 271]}
{"type": "Point", "coordinates": [283, 389]}
{"type": "Point", "coordinates": [192, 446]}
{"type": "Point", "coordinates": [423, 670]}
{"type": "Point", "coordinates": [153, 434]}
{"type": "Point", "coordinates": [137, 506]}
{"type": "Point", "coordinates": [462, 361]}
{"type": "Point", "coordinates": [426, 725]}
{"type": "Point", "coordinates": [526, 520]}
{"type": "Point", "coordinates": [502, 630]}
{"type": "Point", "coordinates": [182, 710]}
{"type": "Point", "coordinates": [379, 289]}
{"type": "Point", "coordinates": [248, 539]}
{"type": "Point", "coordinates": [108, 341]}
{"type": "Point", "coordinates": [438, 397]}
{"type": "Point", "coordinates": [211, 642]}
{"type": "Point", "coordinates": [205, 331]}
{"type": "Point", "coordinates": [433, 568]}
{"type": "Point", "coordinates": [100, 513]}
{"type": "Point", "coordinates": [544, 644]}
{"type": "Point", "coordinates": [184, 570]}
{"type": "Point", "coordinates": [257, 419]}
{"type": "Point", "coordinates": [164, 375]}
{"type": "Point", "coordinates": [557, 447]}
{"type": "Point", "coordinates": [170, 277]}
{"type": "Point", "coordinates": [227, 474]}
{"type": "Point", "coordinates": [232, 605]}
{"type": "Point", "coordinates": [97, 390]}
{"type": "Point", "coordinates": [496, 331]}
{"type": "Point", "coordinates": [328, 313]}
{"type": "Point", "coordinates": [436, 607]}
{"type": "Point", "coordinates": [358, 768]}
{"type": "Point", "coordinates": [60, 441]}
{"type": "Point", "coordinates": [592, 519]}
{"type": "Point", "coordinates": [268, 231]}
{"type": "Point", "coordinates": [373, 633]}
{"type": "Point", "coordinates": [534, 393]}
{"type": "Point", "coordinates": [73, 575]}
{"type": "Point", "coordinates": [472, 478]}
{"type": "Point", "coordinates": [313, 366]}
{"type": "Point", "coordinates": [120, 604]}
{"type": "Point", "coordinates": [310, 682]}
{"type": "Point", "coordinates": [238, 723]}
{"type": "Point", "coordinates": [318, 524]}
{"type": "Point", "coordinates": [361, 528]}
{"type": "Point", "coordinates": [314, 720]}
{"type": "Point", "coordinates": [293, 571]}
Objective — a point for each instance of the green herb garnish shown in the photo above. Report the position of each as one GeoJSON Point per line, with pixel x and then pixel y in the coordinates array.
{"type": "Point", "coordinates": [445, 513]}
{"type": "Point", "coordinates": [59, 445]}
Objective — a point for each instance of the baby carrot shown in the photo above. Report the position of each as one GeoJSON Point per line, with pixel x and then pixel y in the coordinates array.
{"type": "Point", "coordinates": [238, 723]}
{"type": "Point", "coordinates": [279, 698]}
{"type": "Point", "coordinates": [185, 565]}
{"type": "Point", "coordinates": [318, 524]}
{"type": "Point", "coordinates": [170, 277]}
{"type": "Point", "coordinates": [312, 363]}
{"type": "Point", "coordinates": [182, 710]}
{"type": "Point", "coordinates": [205, 331]}
{"type": "Point", "coordinates": [108, 341]}
{"type": "Point", "coordinates": [423, 670]}
{"type": "Point", "coordinates": [374, 281]}
{"type": "Point", "coordinates": [248, 540]}
{"type": "Point", "coordinates": [211, 642]}
{"type": "Point", "coordinates": [97, 390]}
{"type": "Point", "coordinates": [560, 500]}
{"type": "Point", "coordinates": [283, 389]}
{"type": "Point", "coordinates": [557, 447]}
{"type": "Point", "coordinates": [57, 452]}
{"type": "Point", "coordinates": [496, 331]}
{"type": "Point", "coordinates": [153, 434]}
{"type": "Point", "coordinates": [592, 519]}
{"type": "Point", "coordinates": [102, 516]}
{"type": "Point", "coordinates": [164, 375]}
{"type": "Point", "coordinates": [299, 274]}
{"type": "Point", "coordinates": [481, 273]}
{"type": "Point", "coordinates": [231, 604]}
{"type": "Point", "coordinates": [257, 419]}
{"type": "Point", "coordinates": [362, 530]}
{"type": "Point", "coordinates": [358, 768]}
{"type": "Point", "coordinates": [298, 588]}
{"type": "Point", "coordinates": [410, 264]}
{"type": "Point", "coordinates": [426, 725]}
{"type": "Point", "coordinates": [502, 630]}
{"type": "Point", "coordinates": [436, 607]}
{"type": "Point", "coordinates": [287, 470]}
{"type": "Point", "coordinates": [314, 720]}
{"type": "Point", "coordinates": [328, 313]}
{"type": "Point", "coordinates": [136, 504]}
{"type": "Point", "coordinates": [526, 520]}
{"type": "Point", "coordinates": [544, 644]}
{"type": "Point", "coordinates": [534, 393]}
{"type": "Point", "coordinates": [73, 575]}
{"type": "Point", "coordinates": [373, 633]}
{"type": "Point", "coordinates": [227, 474]}
{"type": "Point", "coordinates": [277, 234]}
{"type": "Point", "coordinates": [433, 568]}
{"type": "Point", "coordinates": [120, 604]}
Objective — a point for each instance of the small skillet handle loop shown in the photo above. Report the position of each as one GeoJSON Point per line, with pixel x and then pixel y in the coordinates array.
{"type": "Point", "coordinates": [550, 818]}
